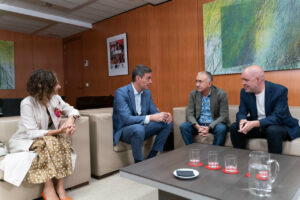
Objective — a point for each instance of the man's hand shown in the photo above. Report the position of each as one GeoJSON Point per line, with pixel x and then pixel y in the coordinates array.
{"type": "Point", "coordinates": [202, 130]}
{"type": "Point", "coordinates": [248, 126]}
{"type": "Point", "coordinates": [242, 124]}
{"type": "Point", "coordinates": [161, 117]}
{"type": "Point", "coordinates": [169, 120]}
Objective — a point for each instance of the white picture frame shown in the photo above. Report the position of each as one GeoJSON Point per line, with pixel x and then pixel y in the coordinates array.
{"type": "Point", "coordinates": [117, 55]}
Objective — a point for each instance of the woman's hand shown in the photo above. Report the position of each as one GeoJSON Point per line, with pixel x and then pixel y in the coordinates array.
{"type": "Point", "coordinates": [68, 127]}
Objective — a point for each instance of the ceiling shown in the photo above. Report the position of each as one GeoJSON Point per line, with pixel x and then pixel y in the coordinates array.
{"type": "Point", "coordinates": [61, 18]}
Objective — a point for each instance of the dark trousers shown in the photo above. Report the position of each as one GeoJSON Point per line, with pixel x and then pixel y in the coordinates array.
{"type": "Point", "coordinates": [136, 134]}
{"type": "Point", "coordinates": [275, 135]}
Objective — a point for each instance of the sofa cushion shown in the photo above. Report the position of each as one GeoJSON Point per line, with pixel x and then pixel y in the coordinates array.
{"type": "Point", "coordinates": [295, 111]}
{"type": "Point", "coordinates": [8, 126]}
{"type": "Point", "coordinates": [122, 146]}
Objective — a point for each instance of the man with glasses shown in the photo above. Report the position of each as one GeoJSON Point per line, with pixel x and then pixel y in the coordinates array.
{"type": "Point", "coordinates": [207, 111]}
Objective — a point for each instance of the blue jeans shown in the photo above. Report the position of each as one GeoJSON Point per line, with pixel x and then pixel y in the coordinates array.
{"type": "Point", "coordinates": [188, 131]}
{"type": "Point", "coordinates": [136, 134]}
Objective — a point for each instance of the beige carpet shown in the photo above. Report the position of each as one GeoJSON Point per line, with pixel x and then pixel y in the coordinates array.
{"type": "Point", "coordinates": [114, 187]}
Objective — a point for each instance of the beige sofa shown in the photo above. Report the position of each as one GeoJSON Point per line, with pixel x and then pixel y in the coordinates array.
{"type": "Point", "coordinates": [81, 175]}
{"type": "Point", "coordinates": [106, 158]}
{"type": "Point", "coordinates": [289, 148]}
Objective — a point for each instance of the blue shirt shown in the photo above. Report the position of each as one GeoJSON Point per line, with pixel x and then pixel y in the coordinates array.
{"type": "Point", "coordinates": [205, 116]}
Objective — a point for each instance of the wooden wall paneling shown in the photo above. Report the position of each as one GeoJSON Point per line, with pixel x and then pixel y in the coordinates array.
{"type": "Point", "coordinates": [73, 70]}
{"type": "Point", "coordinates": [48, 54]}
{"type": "Point", "coordinates": [94, 48]}
{"type": "Point", "coordinates": [134, 23]}
{"type": "Point", "coordinates": [139, 44]}
{"type": "Point", "coordinates": [175, 51]}
{"type": "Point", "coordinates": [136, 26]}
{"type": "Point", "coordinates": [232, 84]}
{"type": "Point", "coordinates": [32, 52]}
{"type": "Point", "coordinates": [23, 62]}
{"type": "Point", "coordinates": [111, 27]}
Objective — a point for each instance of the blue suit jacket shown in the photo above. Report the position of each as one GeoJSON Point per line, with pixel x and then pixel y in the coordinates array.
{"type": "Point", "coordinates": [124, 111]}
{"type": "Point", "coordinates": [276, 109]}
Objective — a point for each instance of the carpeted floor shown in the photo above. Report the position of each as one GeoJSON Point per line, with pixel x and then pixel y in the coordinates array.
{"type": "Point", "coordinates": [114, 187]}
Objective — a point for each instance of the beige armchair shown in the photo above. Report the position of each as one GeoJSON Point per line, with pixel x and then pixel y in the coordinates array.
{"type": "Point", "coordinates": [81, 175]}
{"type": "Point", "coordinates": [106, 158]}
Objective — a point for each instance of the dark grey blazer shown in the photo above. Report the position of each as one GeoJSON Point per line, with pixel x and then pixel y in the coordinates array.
{"type": "Point", "coordinates": [218, 107]}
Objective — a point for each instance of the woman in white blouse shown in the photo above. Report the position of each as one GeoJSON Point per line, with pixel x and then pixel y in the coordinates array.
{"type": "Point", "coordinates": [41, 131]}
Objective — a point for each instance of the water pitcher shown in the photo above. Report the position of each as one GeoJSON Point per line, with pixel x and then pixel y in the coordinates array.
{"type": "Point", "coordinates": [260, 173]}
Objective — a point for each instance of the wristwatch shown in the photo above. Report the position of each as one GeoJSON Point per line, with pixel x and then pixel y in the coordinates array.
{"type": "Point", "coordinates": [75, 117]}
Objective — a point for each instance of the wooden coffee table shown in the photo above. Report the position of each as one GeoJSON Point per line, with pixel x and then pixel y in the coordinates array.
{"type": "Point", "coordinates": [211, 184]}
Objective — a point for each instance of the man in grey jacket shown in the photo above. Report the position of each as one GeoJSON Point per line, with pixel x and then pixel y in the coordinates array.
{"type": "Point", "coordinates": [207, 111]}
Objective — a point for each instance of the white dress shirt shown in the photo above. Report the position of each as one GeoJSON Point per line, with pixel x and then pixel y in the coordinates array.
{"type": "Point", "coordinates": [138, 104]}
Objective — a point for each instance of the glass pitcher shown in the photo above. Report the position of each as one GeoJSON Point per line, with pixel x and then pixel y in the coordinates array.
{"type": "Point", "coordinates": [260, 173]}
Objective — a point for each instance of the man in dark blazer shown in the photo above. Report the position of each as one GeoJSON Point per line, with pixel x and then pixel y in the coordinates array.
{"type": "Point", "coordinates": [136, 118]}
{"type": "Point", "coordinates": [263, 112]}
{"type": "Point", "coordinates": [207, 111]}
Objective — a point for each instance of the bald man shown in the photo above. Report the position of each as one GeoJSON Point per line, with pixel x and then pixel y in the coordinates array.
{"type": "Point", "coordinates": [263, 112]}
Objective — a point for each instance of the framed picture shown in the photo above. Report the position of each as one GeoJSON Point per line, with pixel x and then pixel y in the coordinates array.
{"type": "Point", "coordinates": [117, 55]}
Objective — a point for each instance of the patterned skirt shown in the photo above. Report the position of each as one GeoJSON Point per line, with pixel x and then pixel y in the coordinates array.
{"type": "Point", "coordinates": [53, 159]}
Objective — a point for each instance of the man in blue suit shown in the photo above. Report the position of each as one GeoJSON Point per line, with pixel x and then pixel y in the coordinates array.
{"type": "Point", "coordinates": [269, 117]}
{"type": "Point", "coordinates": [136, 118]}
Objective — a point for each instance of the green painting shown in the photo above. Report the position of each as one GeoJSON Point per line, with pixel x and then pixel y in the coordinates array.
{"type": "Point", "coordinates": [239, 33]}
{"type": "Point", "coordinates": [7, 66]}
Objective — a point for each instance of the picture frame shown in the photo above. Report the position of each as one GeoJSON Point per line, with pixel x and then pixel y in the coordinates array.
{"type": "Point", "coordinates": [117, 55]}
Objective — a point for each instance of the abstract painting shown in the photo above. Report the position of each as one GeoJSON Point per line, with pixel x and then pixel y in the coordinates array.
{"type": "Point", "coordinates": [7, 66]}
{"type": "Point", "coordinates": [239, 33]}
